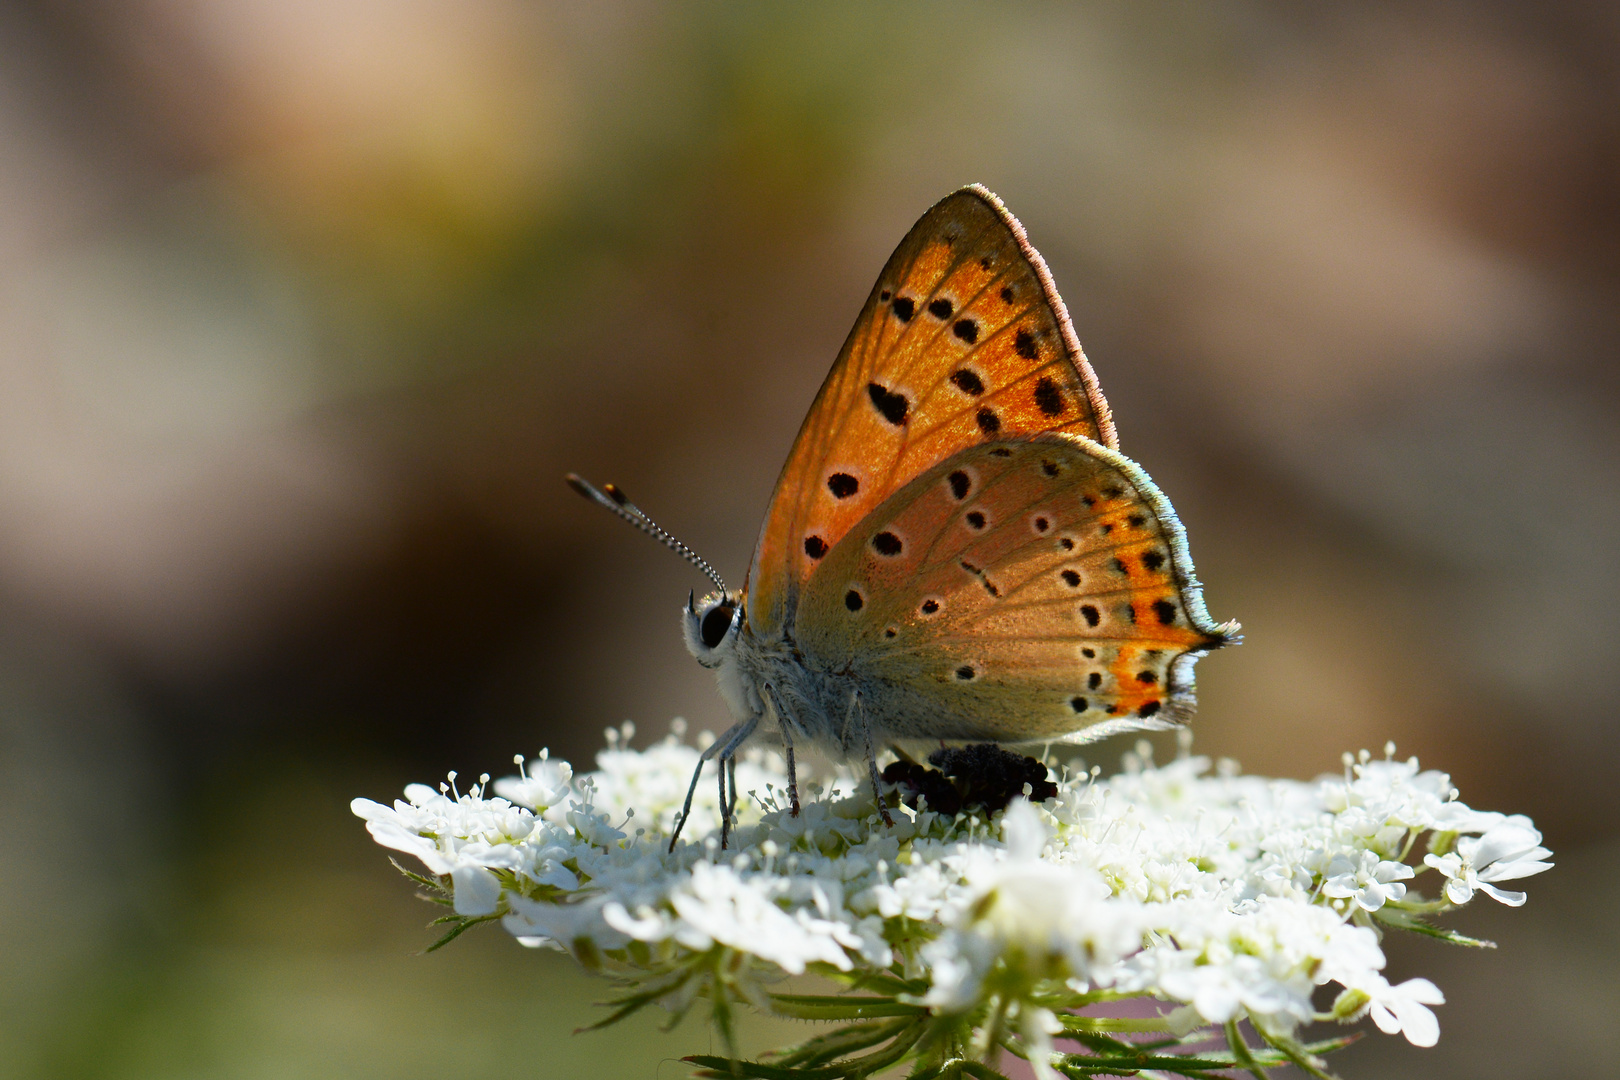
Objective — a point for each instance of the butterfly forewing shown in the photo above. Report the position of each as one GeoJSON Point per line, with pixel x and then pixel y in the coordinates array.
{"type": "Point", "coordinates": [1022, 589]}
{"type": "Point", "coordinates": [962, 341]}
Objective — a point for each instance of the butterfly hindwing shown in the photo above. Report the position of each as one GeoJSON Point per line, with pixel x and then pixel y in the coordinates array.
{"type": "Point", "coordinates": [962, 340]}
{"type": "Point", "coordinates": [1023, 589]}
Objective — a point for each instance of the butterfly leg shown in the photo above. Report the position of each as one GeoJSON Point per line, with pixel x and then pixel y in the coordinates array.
{"type": "Point", "coordinates": [871, 760]}
{"type": "Point", "coordinates": [787, 741]}
{"type": "Point", "coordinates": [724, 747]}
{"type": "Point", "coordinates": [725, 810]}
{"type": "Point", "coordinates": [728, 803]}
{"type": "Point", "coordinates": [731, 768]}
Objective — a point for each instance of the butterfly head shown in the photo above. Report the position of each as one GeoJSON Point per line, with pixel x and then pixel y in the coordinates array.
{"type": "Point", "coordinates": [710, 627]}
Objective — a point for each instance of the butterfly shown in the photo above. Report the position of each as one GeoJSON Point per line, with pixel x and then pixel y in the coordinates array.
{"type": "Point", "coordinates": [955, 549]}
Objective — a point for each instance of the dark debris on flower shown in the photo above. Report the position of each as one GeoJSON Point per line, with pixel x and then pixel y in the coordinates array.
{"type": "Point", "coordinates": [982, 776]}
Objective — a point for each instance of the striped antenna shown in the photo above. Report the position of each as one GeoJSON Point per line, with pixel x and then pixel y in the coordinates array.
{"type": "Point", "coordinates": [610, 497]}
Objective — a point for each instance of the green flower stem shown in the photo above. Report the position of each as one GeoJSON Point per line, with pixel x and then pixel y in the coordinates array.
{"type": "Point", "coordinates": [1114, 1023]}
{"type": "Point", "coordinates": [824, 1048]}
{"type": "Point", "coordinates": [1241, 1053]}
{"type": "Point", "coordinates": [895, 1052]}
{"type": "Point", "coordinates": [1300, 1055]}
{"type": "Point", "coordinates": [819, 1007]}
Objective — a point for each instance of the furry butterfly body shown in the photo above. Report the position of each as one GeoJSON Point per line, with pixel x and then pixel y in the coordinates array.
{"type": "Point", "coordinates": [955, 548]}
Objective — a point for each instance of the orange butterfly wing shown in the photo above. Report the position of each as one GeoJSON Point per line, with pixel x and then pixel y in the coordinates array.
{"type": "Point", "coordinates": [1025, 589]}
{"type": "Point", "coordinates": [963, 339]}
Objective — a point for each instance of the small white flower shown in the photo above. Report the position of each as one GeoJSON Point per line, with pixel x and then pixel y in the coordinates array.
{"type": "Point", "coordinates": [1508, 850]}
{"type": "Point", "coordinates": [1404, 1008]}
{"type": "Point", "coordinates": [545, 783]}
{"type": "Point", "coordinates": [1060, 920]}
{"type": "Point", "coordinates": [465, 838]}
{"type": "Point", "coordinates": [1366, 878]}
{"type": "Point", "coordinates": [1048, 909]}
{"type": "Point", "coordinates": [534, 923]}
{"type": "Point", "coordinates": [718, 904]}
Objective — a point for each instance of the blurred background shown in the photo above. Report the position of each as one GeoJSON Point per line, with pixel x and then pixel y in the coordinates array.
{"type": "Point", "coordinates": [306, 306]}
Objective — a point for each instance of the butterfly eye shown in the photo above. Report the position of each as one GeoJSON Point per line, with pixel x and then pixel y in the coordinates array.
{"type": "Point", "coordinates": [716, 623]}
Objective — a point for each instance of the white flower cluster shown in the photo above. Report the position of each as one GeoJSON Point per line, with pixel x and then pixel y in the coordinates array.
{"type": "Point", "coordinates": [1233, 896]}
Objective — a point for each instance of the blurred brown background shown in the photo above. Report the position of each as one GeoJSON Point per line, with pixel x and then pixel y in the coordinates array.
{"type": "Point", "coordinates": [305, 307]}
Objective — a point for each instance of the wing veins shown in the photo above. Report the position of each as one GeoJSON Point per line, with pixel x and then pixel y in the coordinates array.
{"type": "Point", "coordinates": [1013, 385]}
{"type": "Point", "coordinates": [924, 352]}
{"type": "Point", "coordinates": [1165, 644]}
{"type": "Point", "coordinates": [1012, 591]}
{"type": "Point", "coordinates": [1010, 324]}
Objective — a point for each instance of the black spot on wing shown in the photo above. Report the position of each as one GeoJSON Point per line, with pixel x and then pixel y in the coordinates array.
{"type": "Point", "coordinates": [1094, 680]}
{"type": "Point", "coordinates": [886, 543]}
{"type": "Point", "coordinates": [988, 421]}
{"type": "Point", "coordinates": [967, 330]}
{"type": "Point", "coordinates": [891, 406]}
{"type": "Point", "coordinates": [975, 519]}
{"type": "Point", "coordinates": [1024, 344]}
{"type": "Point", "coordinates": [842, 485]}
{"type": "Point", "coordinates": [1048, 397]}
{"type": "Point", "coordinates": [1068, 543]}
{"type": "Point", "coordinates": [854, 601]}
{"type": "Point", "coordinates": [1050, 468]}
{"type": "Point", "coordinates": [1165, 610]}
{"type": "Point", "coordinates": [1147, 677]}
{"type": "Point", "coordinates": [1148, 709]}
{"type": "Point", "coordinates": [1089, 611]}
{"type": "Point", "coordinates": [1120, 567]}
{"type": "Point", "coordinates": [1089, 653]}
{"type": "Point", "coordinates": [1153, 559]}
{"type": "Point", "coordinates": [1070, 578]}
{"type": "Point", "coordinates": [904, 308]}
{"type": "Point", "coordinates": [960, 484]}
{"type": "Point", "coordinates": [1000, 451]}
{"type": "Point", "coordinates": [965, 672]}
{"type": "Point", "coordinates": [815, 547]}
{"type": "Point", "coordinates": [1006, 294]}
{"type": "Point", "coordinates": [940, 309]}
{"type": "Point", "coordinates": [884, 296]}
{"type": "Point", "coordinates": [968, 382]}
{"type": "Point", "coordinates": [1079, 704]}
{"type": "Point", "coordinates": [1136, 521]}
{"type": "Point", "coordinates": [929, 607]}
{"type": "Point", "coordinates": [1041, 524]}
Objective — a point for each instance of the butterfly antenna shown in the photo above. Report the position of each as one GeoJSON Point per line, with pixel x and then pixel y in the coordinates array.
{"type": "Point", "coordinates": [610, 497]}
